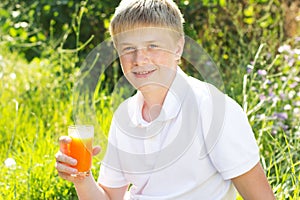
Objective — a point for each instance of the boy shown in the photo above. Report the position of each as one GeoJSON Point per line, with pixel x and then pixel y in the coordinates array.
{"type": "Point", "coordinates": [177, 137]}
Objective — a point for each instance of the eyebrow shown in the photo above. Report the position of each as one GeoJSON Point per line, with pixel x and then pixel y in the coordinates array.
{"type": "Point", "coordinates": [146, 42]}
{"type": "Point", "coordinates": [125, 43]}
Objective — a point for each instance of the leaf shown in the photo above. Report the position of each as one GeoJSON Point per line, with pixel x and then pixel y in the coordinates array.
{"type": "Point", "coordinates": [41, 36]}
{"type": "Point", "coordinates": [222, 3]}
{"type": "Point", "coordinates": [249, 12]}
{"type": "Point", "coordinates": [32, 39]}
{"type": "Point", "coordinates": [13, 32]}
{"type": "Point", "coordinates": [249, 20]}
{"type": "Point", "coordinates": [46, 8]}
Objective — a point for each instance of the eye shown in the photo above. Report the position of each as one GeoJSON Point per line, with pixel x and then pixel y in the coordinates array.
{"type": "Point", "coordinates": [128, 49]}
{"type": "Point", "coordinates": [153, 46]}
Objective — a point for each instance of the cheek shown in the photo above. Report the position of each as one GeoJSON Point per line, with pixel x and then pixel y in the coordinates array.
{"type": "Point", "coordinates": [162, 57]}
{"type": "Point", "coordinates": [125, 63]}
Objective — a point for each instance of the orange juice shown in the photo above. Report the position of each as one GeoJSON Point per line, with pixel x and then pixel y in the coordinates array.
{"type": "Point", "coordinates": [81, 150]}
{"type": "Point", "coordinates": [80, 147]}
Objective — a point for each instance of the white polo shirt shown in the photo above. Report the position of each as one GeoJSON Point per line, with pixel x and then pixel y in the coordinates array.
{"type": "Point", "coordinates": [200, 140]}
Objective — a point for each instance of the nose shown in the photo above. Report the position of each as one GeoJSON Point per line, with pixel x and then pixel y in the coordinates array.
{"type": "Point", "coordinates": [141, 57]}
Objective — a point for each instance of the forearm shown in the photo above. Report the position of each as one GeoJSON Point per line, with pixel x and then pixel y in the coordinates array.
{"type": "Point", "coordinates": [89, 189]}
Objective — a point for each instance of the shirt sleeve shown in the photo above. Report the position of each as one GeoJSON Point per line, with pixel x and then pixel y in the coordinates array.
{"type": "Point", "coordinates": [110, 174]}
{"type": "Point", "coordinates": [234, 150]}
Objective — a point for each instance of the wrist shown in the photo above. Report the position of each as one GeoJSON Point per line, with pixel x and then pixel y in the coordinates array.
{"type": "Point", "coordinates": [82, 180]}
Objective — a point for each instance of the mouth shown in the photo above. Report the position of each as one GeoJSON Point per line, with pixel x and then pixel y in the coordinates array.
{"type": "Point", "coordinates": [144, 73]}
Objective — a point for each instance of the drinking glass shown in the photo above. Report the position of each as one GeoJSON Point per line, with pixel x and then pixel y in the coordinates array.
{"type": "Point", "coordinates": [81, 147]}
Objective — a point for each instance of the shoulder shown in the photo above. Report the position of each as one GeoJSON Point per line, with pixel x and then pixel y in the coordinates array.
{"type": "Point", "coordinates": [210, 93]}
{"type": "Point", "coordinates": [207, 94]}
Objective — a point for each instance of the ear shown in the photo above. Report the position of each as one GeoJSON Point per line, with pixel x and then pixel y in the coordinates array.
{"type": "Point", "coordinates": [179, 48]}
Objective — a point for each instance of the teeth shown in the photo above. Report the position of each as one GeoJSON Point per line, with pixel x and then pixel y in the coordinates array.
{"type": "Point", "coordinates": [142, 73]}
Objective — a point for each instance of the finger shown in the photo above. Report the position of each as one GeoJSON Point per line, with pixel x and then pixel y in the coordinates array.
{"type": "Point", "coordinates": [65, 139]}
{"type": "Point", "coordinates": [62, 168]}
{"type": "Point", "coordinates": [96, 150]}
{"type": "Point", "coordinates": [63, 158]}
{"type": "Point", "coordinates": [63, 143]}
{"type": "Point", "coordinates": [65, 176]}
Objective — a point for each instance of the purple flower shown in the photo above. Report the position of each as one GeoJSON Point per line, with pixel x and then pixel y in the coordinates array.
{"type": "Point", "coordinates": [293, 85]}
{"type": "Point", "coordinates": [291, 62]}
{"type": "Point", "coordinates": [262, 97]}
{"type": "Point", "coordinates": [262, 72]}
{"type": "Point", "coordinates": [271, 93]}
{"type": "Point", "coordinates": [282, 96]}
{"type": "Point", "coordinates": [249, 68]}
{"type": "Point", "coordinates": [281, 115]}
{"type": "Point", "coordinates": [283, 126]}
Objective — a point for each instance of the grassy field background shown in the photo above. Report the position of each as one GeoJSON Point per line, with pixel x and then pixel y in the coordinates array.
{"type": "Point", "coordinates": [36, 98]}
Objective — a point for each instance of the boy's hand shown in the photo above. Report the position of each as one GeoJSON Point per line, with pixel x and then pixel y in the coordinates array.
{"type": "Point", "coordinates": [65, 164]}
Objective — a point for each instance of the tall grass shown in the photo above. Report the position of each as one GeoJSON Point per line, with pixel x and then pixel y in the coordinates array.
{"type": "Point", "coordinates": [271, 92]}
{"type": "Point", "coordinates": [36, 108]}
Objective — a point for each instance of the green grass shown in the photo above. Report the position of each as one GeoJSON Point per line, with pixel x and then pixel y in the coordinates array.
{"type": "Point", "coordinates": [36, 109]}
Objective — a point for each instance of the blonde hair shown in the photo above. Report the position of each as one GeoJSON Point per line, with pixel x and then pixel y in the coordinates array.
{"type": "Point", "coordinates": [131, 14]}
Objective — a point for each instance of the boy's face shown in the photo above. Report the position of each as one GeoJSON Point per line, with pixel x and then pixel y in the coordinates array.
{"type": "Point", "coordinates": [149, 56]}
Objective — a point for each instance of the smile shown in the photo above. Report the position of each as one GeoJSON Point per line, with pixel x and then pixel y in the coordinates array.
{"type": "Point", "coordinates": [142, 74]}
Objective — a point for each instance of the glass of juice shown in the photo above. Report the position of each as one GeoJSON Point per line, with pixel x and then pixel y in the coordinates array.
{"type": "Point", "coordinates": [81, 147]}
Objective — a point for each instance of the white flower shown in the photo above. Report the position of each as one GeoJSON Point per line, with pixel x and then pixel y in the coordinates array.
{"type": "Point", "coordinates": [15, 13]}
{"type": "Point", "coordinates": [10, 163]}
{"type": "Point", "coordinates": [284, 47]}
{"type": "Point", "coordinates": [13, 76]}
{"type": "Point", "coordinates": [287, 107]}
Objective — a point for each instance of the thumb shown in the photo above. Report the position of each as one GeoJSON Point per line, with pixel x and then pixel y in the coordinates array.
{"type": "Point", "coordinates": [96, 150]}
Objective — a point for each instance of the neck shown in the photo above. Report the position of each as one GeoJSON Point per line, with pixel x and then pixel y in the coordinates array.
{"type": "Point", "coordinates": [154, 97]}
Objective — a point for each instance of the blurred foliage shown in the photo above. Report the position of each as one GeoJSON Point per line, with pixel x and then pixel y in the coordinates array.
{"type": "Point", "coordinates": [229, 31]}
{"type": "Point", "coordinates": [36, 24]}
{"type": "Point", "coordinates": [232, 31]}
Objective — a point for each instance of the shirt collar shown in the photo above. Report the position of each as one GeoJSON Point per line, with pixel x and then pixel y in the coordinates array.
{"type": "Point", "coordinates": [171, 106]}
